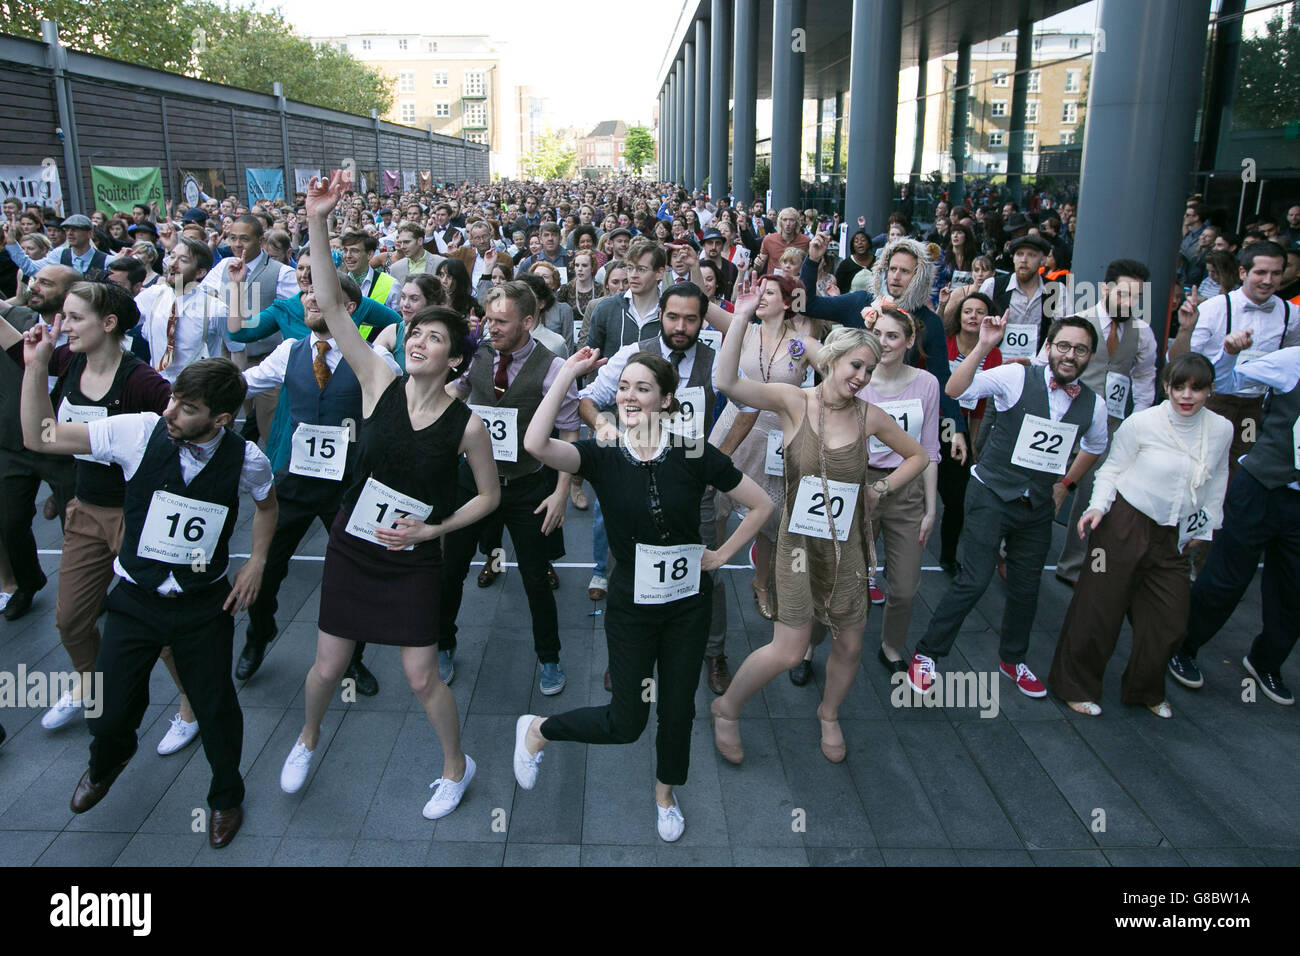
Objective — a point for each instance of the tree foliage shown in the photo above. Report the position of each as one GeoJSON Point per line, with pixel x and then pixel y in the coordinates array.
{"type": "Point", "coordinates": [222, 43]}
{"type": "Point", "coordinates": [1268, 96]}
{"type": "Point", "coordinates": [550, 158]}
{"type": "Point", "coordinates": [638, 148]}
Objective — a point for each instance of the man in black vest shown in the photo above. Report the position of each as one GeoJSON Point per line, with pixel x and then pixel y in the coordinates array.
{"type": "Point", "coordinates": [185, 473]}
{"type": "Point", "coordinates": [1261, 515]}
{"type": "Point", "coordinates": [1043, 415]}
{"type": "Point", "coordinates": [504, 385]}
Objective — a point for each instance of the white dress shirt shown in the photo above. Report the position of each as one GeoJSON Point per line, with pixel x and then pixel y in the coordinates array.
{"type": "Point", "coordinates": [1266, 325]}
{"type": "Point", "coordinates": [1166, 466]}
{"type": "Point", "coordinates": [604, 389]}
{"type": "Point", "coordinates": [270, 372]}
{"type": "Point", "coordinates": [201, 329]}
{"type": "Point", "coordinates": [286, 280]}
{"type": "Point", "coordinates": [1020, 310]}
{"type": "Point", "coordinates": [30, 267]}
{"type": "Point", "coordinates": [1278, 370]}
{"type": "Point", "coordinates": [122, 440]}
{"type": "Point", "coordinates": [1144, 372]}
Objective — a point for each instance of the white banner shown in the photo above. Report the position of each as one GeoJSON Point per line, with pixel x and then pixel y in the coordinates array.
{"type": "Point", "coordinates": [33, 184]}
{"type": "Point", "coordinates": [408, 179]}
{"type": "Point", "coordinates": [302, 179]}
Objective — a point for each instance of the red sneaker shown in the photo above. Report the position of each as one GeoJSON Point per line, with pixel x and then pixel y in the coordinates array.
{"type": "Point", "coordinates": [920, 673]}
{"type": "Point", "coordinates": [877, 596]}
{"type": "Point", "coordinates": [1029, 685]}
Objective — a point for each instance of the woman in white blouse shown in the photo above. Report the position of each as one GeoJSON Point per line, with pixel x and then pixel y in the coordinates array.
{"type": "Point", "coordinates": [1158, 495]}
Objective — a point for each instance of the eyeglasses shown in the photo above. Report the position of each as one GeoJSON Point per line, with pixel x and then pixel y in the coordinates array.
{"type": "Point", "coordinates": [640, 270]}
{"type": "Point", "coordinates": [1065, 348]}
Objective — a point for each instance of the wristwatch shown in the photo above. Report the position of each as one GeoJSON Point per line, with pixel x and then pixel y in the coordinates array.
{"type": "Point", "coordinates": [880, 486]}
{"type": "Point", "coordinates": [1069, 485]}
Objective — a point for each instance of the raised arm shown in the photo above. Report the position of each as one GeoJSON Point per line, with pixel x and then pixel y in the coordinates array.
{"type": "Point", "coordinates": [41, 430]}
{"type": "Point", "coordinates": [768, 396]}
{"type": "Point", "coordinates": [990, 335]}
{"type": "Point", "coordinates": [560, 455]}
{"type": "Point", "coordinates": [371, 370]}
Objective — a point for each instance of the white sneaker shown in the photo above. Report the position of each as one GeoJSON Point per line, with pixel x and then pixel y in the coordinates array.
{"type": "Point", "coordinates": [62, 712]}
{"type": "Point", "coordinates": [180, 734]}
{"type": "Point", "coordinates": [671, 822]}
{"type": "Point", "coordinates": [447, 793]}
{"type": "Point", "coordinates": [296, 766]}
{"type": "Point", "coordinates": [525, 763]}
{"type": "Point", "coordinates": [4, 599]}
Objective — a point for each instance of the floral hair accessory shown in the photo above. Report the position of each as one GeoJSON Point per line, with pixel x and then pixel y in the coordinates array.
{"type": "Point", "coordinates": [796, 348]}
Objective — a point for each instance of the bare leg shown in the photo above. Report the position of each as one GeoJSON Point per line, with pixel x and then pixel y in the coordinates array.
{"type": "Point", "coordinates": [664, 795]}
{"type": "Point", "coordinates": [439, 702]}
{"type": "Point", "coordinates": [841, 668]}
{"type": "Point", "coordinates": [786, 650]}
{"type": "Point", "coordinates": [186, 711]}
{"type": "Point", "coordinates": [333, 654]}
{"type": "Point", "coordinates": [764, 552]}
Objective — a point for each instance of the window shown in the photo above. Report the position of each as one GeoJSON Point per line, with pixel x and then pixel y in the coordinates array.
{"type": "Point", "coordinates": [973, 79]}
{"type": "Point", "coordinates": [406, 82]}
{"type": "Point", "coordinates": [442, 109]}
{"type": "Point", "coordinates": [475, 83]}
{"type": "Point", "coordinates": [475, 114]}
{"type": "Point", "coordinates": [1038, 43]}
{"type": "Point", "coordinates": [343, 45]}
{"type": "Point", "coordinates": [1031, 111]}
{"type": "Point", "coordinates": [1072, 81]}
{"type": "Point", "coordinates": [970, 121]}
{"type": "Point", "coordinates": [1031, 139]}
{"type": "Point", "coordinates": [999, 108]}
{"type": "Point", "coordinates": [1069, 112]}
{"type": "Point", "coordinates": [966, 148]}
{"type": "Point", "coordinates": [995, 138]}
{"type": "Point", "coordinates": [365, 44]}
{"type": "Point", "coordinates": [480, 138]}
{"type": "Point", "coordinates": [407, 112]}
{"type": "Point", "coordinates": [1074, 43]}
{"type": "Point", "coordinates": [431, 46]}
{"type": "Point", "coordinates": [1000, 78]}
{"type": "Point", "coordinates": [1068, 137]}
{"type": "Point", "coordinates": [401, 44]}
{"type": "Point", "coordinates": [439, 77]}
{"type": "Point", "coordinates": [1006, 46]}
{"type": "Point", "coordinates": [1035, 80]}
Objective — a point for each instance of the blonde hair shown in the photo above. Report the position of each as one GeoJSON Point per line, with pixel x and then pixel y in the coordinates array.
{"type": "Point", "coordinates": [841, 342]}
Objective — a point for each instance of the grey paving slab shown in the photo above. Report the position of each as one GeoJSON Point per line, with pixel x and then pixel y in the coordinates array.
{"type": "Point", "coordinates": [845, 856]}
{"type": "Point", "coordinates": [769, 856]}
{"type": "Point", "coordinates": [994, 858]}
{"type": "Point", "coordinates": [895, 856]}
{"type": "Point", "coordinates": [84, 849]}
{"type": "Point", "coordinates": [1144, 856]}
{"type": "Point", "coordinates": [1069, 858]}
{"type": "Point", "coordinates": [757, 797]}
{"type": "Point", "coordinates": [159, 849]}
{"type": "Point", "coordinates": [464, 854]}
{"type": "Point", "coordinates": [312, 851]}
{"type": "Point", "coordinates": [490, 801]}
{"type": "Point", "coordinates": [895, 801]}
{"type": "Point", "coordinates": [246, 849]}
{"type": "Point", "coordinates": [833, 811]}
{"type": "Point", "coordinates": [542, 854]}
{"type": "Point", "coordinates": [389, 853]}
{"type": "Point", "coordinates": [347, 773]}
{"type": "Point", "coordinates": [1219, 856]}
{"type": "Point", "coordinates": [24, 847]}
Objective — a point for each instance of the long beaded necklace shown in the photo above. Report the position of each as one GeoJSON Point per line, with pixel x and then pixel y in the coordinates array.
{"type": "Point", "coordinates": [767, 373]}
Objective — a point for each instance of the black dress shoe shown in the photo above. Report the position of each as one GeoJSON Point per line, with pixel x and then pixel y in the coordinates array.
{"type": "Point", "coordinates": [552, 578]}
{"type": "Point", "coordinates": [801, 673]}
{"type": "Point", "coordinates": [223, 826]}
{"type": "Point", "coordinates": [367, 686]}
{"type": "Point", "coordinates": [88, 793]}
{"type": "Point", "coordinates": [20, 602]}
{"type": "Point", "coordinates": [251, 659]}
{"type": "Point", "coordinates": [487, 576]}
{"type": "Point", "coordinates": [894, 667]}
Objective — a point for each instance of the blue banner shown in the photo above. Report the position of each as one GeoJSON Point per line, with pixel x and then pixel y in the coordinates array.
{"type": "Point", "coordinates": [265, 184]}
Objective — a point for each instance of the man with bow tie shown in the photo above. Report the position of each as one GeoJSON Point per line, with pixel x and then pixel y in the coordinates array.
{"type": "Point", "coordinates": [1023, 476]}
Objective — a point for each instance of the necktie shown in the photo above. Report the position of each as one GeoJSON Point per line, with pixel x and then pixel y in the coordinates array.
{"type": "Point", "coordinates": [170, 351]}
{"type": "Point", "coordinates": [501, 381]}
{"type": "Point", "coordinates": [677, 357]}
{"type": "Point", "coordinates": [320, 366]}
{"type": "Point", "coordinates": [1072, 390]}
{"type": "Point", "coordinates": [1112, 338]}
{"type": "Point", "coordinates": [195, 450]}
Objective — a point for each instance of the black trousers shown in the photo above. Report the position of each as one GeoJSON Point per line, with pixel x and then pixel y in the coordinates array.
{"type": "Point", "coordinates": [1256, 522]}
{"type": "Point", "coordinates": [140, 624]}
{"type": "Point", "coordinates": [21, 474]}
{"type": "Point", "coordinates": [532, 550]}
{"type": "Point", "coordinates": [642, 637]}
{"type": "Point", "coordinates": [953, 479]}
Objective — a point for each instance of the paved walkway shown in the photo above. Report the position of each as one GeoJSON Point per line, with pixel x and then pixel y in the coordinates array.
{"type": "Point", "coordinates": [1035, 785]}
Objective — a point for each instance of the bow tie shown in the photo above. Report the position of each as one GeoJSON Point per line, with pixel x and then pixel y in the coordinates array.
{"type": "Point", "coordinates": [1252, 307]}
{"type": "Point", "coordinates": [1072, 390]}
{"type": "Point", "coordinates": [195, 450]}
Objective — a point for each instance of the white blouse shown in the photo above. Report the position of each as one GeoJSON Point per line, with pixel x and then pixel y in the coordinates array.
{"type": "Point", "coordinates": [1167, 466]}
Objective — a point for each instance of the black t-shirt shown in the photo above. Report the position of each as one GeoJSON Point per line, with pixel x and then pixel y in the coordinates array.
{"type": "Point", "coordinates": [624, 491]}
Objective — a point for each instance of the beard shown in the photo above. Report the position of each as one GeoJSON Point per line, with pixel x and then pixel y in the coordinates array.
{"type": "Point", "coordinates": [1078, 366]}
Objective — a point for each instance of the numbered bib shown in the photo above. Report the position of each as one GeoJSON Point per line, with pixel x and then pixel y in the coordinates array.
{"type": "Point", "coordinates": [1194, 526]}
{"type": "Point", "coordinates": [1118, 389]}
{"type": "Point", "coordinates": [812, 512]}
{"type": "Point", "coordinates": [774, 461]}
{"type": "Point", "coordinates": [666, 572]}
{"type": "Point", "coordinates": [83, 415]}
{"type": "Point", "coordinates": [379, 506]}
{"type": "Point", "coordinates": [712, 338]}
{"type": "Point", "coordinates": [1019, 341]}
{"type": "Point", "coordinates": [966, 403]}
{"type": "Point", "coordinates": [690, 420]}
{"type": "Point", "coordinates": [1044, 445]}
{"type": "Point", "coordinates": [909, 415]}
{"type": "Point", "coordinates": [319, 451]}
{"type": "Point", "coordinates": [503, 428]}
{"type": "Point", "coordinates": [1253, 388]}
{"type": "Point", "coordinates": [180, 530]}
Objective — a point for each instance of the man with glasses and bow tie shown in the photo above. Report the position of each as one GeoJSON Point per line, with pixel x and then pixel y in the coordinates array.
{"type": "Point", "coordinates": [1023, 476]}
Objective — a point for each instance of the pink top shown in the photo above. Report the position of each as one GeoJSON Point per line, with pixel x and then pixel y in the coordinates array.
{"type": "Point", "coordinates": [916, 409]}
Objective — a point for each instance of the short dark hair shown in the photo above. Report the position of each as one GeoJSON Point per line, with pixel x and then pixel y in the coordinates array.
{"type": "Point", "coordinates": [457, 326]}
{"type": "Point", "coordinates": [254, 220]}
{"type": "Point", "coordinates": [665, 375]}
{"type": "Point", "coordinates": [687, 290]}
{"type": "Point", "coordinates": [350, 288]}
{"type": "Point", "coordinates": [133, 267]}
{"type": "Point", "coordinates": [1189, 368]}
{"type": "Point", "coordinates": [1129, 269]}
{"type": "Point", "coordinates": [1265, 248]}
{"type": "Point", "coordinates": [144, 206]}
{"type": "Point", "coordinates": [214, 381]}
{"type": "Point", "coordinates": [199, 250]}
{"type": "Point", "coordinates": [352, 237]}
{"type": "Point", "coordinates": [1073, 322]}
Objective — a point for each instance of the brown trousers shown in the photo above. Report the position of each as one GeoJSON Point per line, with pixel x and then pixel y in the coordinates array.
{"type": "Point", "coordinates": [92, 537]}
{"type": "Point", "coordinates": [1132, 567]}
{"type": "Point", "coordinates": [1245, 413]}
{"type": "Point", "coordinates": [897, 518]}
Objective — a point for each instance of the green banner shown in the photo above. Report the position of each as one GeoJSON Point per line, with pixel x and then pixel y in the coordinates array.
{"type": "Point", "coordinates": [118, 188]}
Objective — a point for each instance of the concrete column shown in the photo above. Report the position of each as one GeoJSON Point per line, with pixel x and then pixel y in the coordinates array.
{"type": "Point", "coordinates": [873, 114]}
{"type": "Point", "coordinates": [1019, 104]}
{"type": "Point", "coordinates": [1133, 185]}
{"type": "Point", "coordinates": [719, 90]}
{"type": "Point", "coordinates": [961, 103]}
{"type": "Point", "coordinates": [679, 121]}
{"type": "Point", "coordinates": [837, 170]}
{"type": "Point", "coordinates": [702, 84]}
{"type": "Point", "coordinates": [817, 148]}
{"type": "Point", "coordinates": [918, 135]}
{"type": "Point", "coordinates": [745, 81]}
{"type": "Point", "coordinates": [688, 115]}
{"type": "Point", "coordinates": [789, 40]}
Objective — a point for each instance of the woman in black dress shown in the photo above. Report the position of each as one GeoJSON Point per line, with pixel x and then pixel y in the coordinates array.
{"type": "Point", "coordinates": [649, 483]}
{"type": "Point", "coordinates": [382, 563]}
